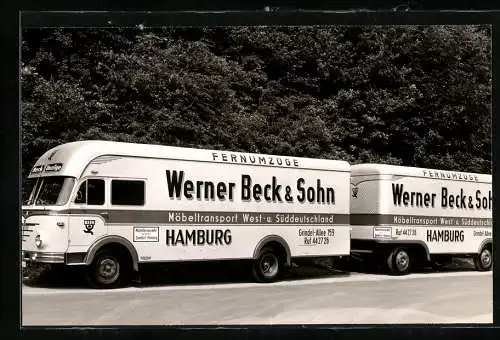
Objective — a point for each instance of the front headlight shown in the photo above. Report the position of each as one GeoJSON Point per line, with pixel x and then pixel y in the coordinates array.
{"type": "Point", "coordinates": [38, 241]}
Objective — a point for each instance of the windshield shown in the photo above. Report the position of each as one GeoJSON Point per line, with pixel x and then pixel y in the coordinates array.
{"type": "Point", "coordinates": [53, 190]}
{"type": "Point", "coordinates": [28, 189]}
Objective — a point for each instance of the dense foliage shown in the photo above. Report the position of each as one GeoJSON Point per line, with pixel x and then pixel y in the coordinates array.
{"type": "Point", "coordinates": [418, 96]}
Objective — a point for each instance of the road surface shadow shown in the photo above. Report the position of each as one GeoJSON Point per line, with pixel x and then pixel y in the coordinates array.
{"type": "Point", "coordinates": [218, 275]}
{"type": "Point", "coordinates": [63, 278]}
{"type": "Point", "coordinates": [457, 265]}
{"type": "Point", "coordinates": [207, 274]}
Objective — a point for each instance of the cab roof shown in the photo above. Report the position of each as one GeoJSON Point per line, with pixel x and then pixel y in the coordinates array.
{"type": "Point", "coordinates": [71, 159]}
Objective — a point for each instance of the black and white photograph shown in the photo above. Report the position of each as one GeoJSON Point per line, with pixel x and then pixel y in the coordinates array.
{"type": "Point", "coordinates": [256, 175]}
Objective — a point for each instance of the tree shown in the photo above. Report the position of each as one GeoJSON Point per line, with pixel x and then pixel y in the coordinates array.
{"type": "Point", "coordinates": [409, 95]}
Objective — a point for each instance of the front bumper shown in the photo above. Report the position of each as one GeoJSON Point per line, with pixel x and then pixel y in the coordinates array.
{"type": "Point", "coordinates": [42, 257]}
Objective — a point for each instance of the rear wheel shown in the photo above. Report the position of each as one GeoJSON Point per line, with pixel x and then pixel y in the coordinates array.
{"type": "Point", "coordinates": [268, 265]}
{"type": "Point", "coordinates": [108, 270]}
{"type": "Point", "coordinates": [398, 261]}
{"type": "Point", "coordinates": [484, 260]}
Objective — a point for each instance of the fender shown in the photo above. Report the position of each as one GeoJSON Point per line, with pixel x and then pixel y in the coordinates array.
{"type": "Point", "coordinates": [275, 238]}
{"type": "Point", "coordinates": [484, 243]}
{"type": "Point", "coordinates": [112, 239]}
{"type": "Point", "coordinates": [419, 242]}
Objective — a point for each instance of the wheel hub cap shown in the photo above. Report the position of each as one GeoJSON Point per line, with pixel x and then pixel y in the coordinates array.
{"type": "Point", "coordinates": [402, 260]}
{"type": "Point", "coordinates": [486, 258]}
{"type": "Point", "coordinates": [269, 265]}
{"type": "Point", "coordinates": [107, 269]}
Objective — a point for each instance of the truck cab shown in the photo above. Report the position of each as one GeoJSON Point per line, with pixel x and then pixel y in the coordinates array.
{"type": "Point", "coordinates": [64, 216]}
{"type": "Point", "coordinates": [44, 223]}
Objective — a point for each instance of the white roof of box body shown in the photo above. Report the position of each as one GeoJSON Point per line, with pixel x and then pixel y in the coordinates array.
{"type": "Point", "coordinates": [385, 169]}
{"type": "Point", "coordinates": [75, 157]}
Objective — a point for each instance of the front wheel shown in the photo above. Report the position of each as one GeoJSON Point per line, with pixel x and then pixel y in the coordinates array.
{"type": "Point", "coordinates": [484, 261]}
{"type": "Point", "coordinates": [268, 266]}
{"type": "Point", "coordinates": [398, 261]}
{"type": "Point", "coordinates": [106, 271]}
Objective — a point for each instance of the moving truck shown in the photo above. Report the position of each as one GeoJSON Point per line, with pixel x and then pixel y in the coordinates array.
{"type": "Point", "coordinates": [407, 217]}
{"type": "Point", "coordinates": [109, 207]}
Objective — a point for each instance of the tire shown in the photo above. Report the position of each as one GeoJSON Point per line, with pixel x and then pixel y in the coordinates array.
{"type": "Point", "coordinates": [107, 271]}
{"type": "Point", "coordinates": [484, 260]}
{"type": "Point", "coordinates": [268, 266]}
{"type": "Point", "coordinates": [399, 262]}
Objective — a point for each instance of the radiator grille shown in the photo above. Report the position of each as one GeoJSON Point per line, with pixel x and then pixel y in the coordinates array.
{"type": "Point", "coordinates": [28, 229]}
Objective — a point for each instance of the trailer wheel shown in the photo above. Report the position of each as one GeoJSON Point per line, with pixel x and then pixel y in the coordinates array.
{"type": "Point", "coordinates": [268, 265]}
{"type": "Point", "coordinates": [484, 260]}
{"type": "Point", "coordinates": [398, 261]}
{"type": "Point", "coordinates": [108, 270]}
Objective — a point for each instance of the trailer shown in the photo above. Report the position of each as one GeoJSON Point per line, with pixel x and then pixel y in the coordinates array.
{"type": "Point", "coordinates": [109, 207]}
{"type": "Point", "coordinates": [406, 217]}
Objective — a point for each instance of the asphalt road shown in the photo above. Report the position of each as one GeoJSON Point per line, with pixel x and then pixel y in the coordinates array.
{"type": "Point", "coordinates": [449, 297]}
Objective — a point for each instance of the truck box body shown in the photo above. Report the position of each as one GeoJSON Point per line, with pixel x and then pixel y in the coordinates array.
{"type": "Point", "coordinates": [447, 212]}
{"type": "Point", "coordinates": [181, 204]}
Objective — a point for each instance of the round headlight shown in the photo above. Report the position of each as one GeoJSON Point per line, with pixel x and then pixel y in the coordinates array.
{"type": "Point", "coordinates": [38, 241]}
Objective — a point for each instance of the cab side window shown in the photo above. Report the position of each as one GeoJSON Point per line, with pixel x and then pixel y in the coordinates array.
{"type": "Point", "coordinates": [91, 192]}
{"type": "Point", "coordinates": [127, 192]}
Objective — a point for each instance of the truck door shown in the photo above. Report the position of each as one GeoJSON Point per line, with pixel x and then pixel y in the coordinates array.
{"type": "Point", "coordinates": [89, 213]}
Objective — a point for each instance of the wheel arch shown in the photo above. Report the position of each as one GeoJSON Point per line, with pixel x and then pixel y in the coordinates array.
{"type": "Point", "coordinates": [484, 244]}
{"type": "Point", "coordinates": [96, 246]}
{"type": "Point", "coordinates": [273, 238]}
{"type": "Point", "coordinates": [412, 244]}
